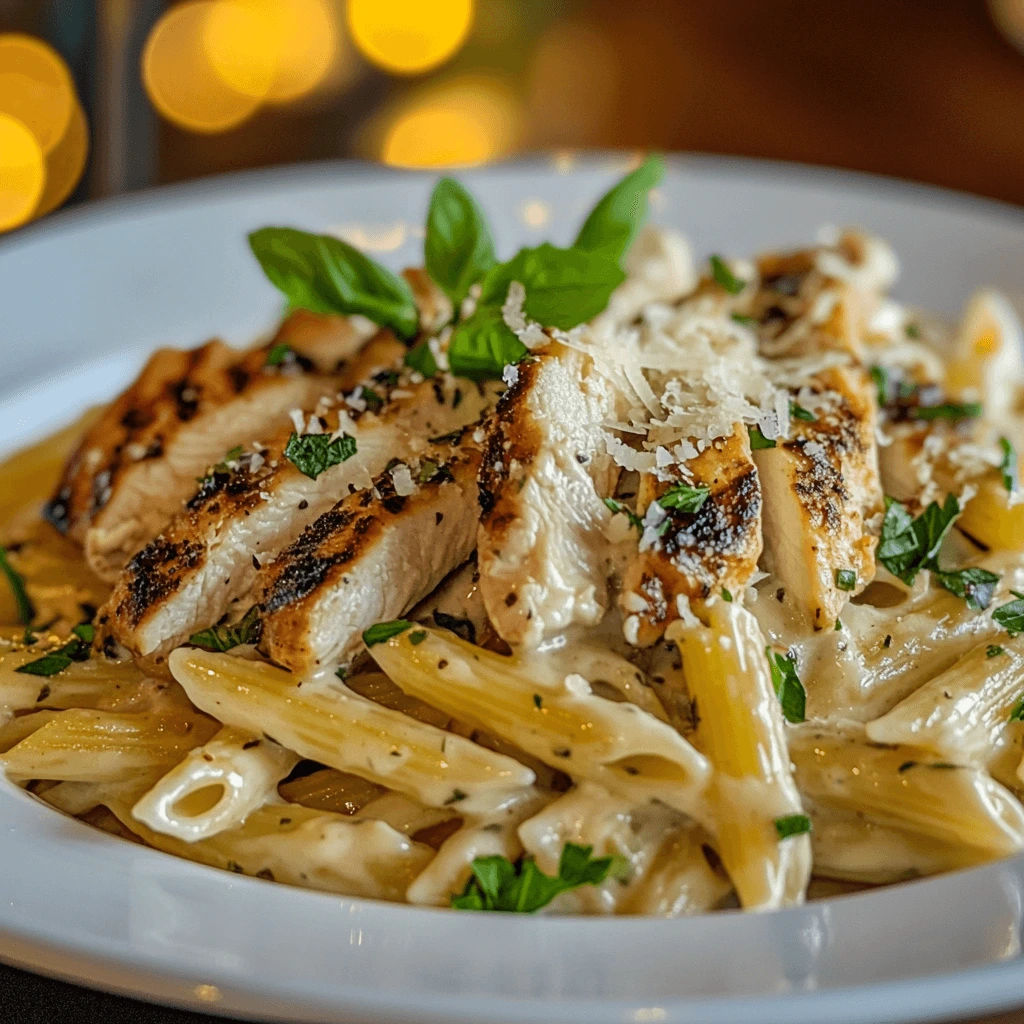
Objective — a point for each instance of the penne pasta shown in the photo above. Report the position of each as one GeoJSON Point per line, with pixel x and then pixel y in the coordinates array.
{"type": "Point", "coordinates": [348, 732]}
{"type": "Point", "coordinates": [216, 786]}
{"type": "Point", "coordinates": [565, 725]}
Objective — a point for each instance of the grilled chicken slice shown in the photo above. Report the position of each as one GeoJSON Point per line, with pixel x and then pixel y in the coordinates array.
{"type": "Point", "coordinates": [823, 498]}
{"type": "Point", "coordinates": [541, 548]}
{"type": "Point", "coordinates": [140, 461]}
{"type": "Point", "coordinates": [328, 342]}
{"type": "Point", "coordinates": [370, 558]}
{"type": "Point", "coordinates": [208, 557]}
{"type": "Point", "coordinates": [699, 553]}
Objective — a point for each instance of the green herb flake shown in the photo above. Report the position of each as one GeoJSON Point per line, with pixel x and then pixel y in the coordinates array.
{"type": "Point", "coordinates": [417, 636]}
{"type": "Point", "coordinates": [758, 441]}
{"type": "Point", "coordinates": [838, 626]}
{"type": "Point", "coordinates": [78, 648]}
{"type": "Point", "coordinates": [726, 596]}
{"type": "Point", "coordinates": [224, 638]}
{"type": "Point", "coordinates": [458, 250]}
{"type": "Point", "coordinates": [1009, 467]}
{"type": "Point", "coordinates": [279, 354]}
{"type": "Point", "coordinates": [384, 631]}
{"type": "Point", "coordinates": [994, 650]}
{"type": "Point", "coordinates": [26, 610]}
{"type": "Point", "coordinates": [746, 321]}
{"type": "Point", "coordinates": [323, 274]}
{"type": "Point", "coordinates": [312, 454]}
{"type": "Point", "coordinates": [1017, 713]}
{"type": "Point", "coordinates": [788, 687]}
{"type": "Point", "coordinates": [341, 672]}
{"type": "Point", "coordinates": [421, 359]}
{"type": "Point", "coordinates": [1011, 615]}
{"type": "Point", "coordinates": [798, 412]}
{"type": "Point", "coordinates": [846, 579]}
{"type": "Point", "coordinates": [947, 411]}
{"type": "Point", "coordinates": [724, 276]}
{"type": "Point", "coordinates": [911, 330]}
{"type": "Point", "coordinates": [880, 375]}
{"type": "Point", "coordinates": [792, 825]}
{"type": "Point", "coordinates": [499, 885]}
{"type": "Point", "coordinates": [974, 584]}
{"type": "Point", "coordinates": [616, 507]}
{"type": "Point", "coordinates": [371, 398]}
{"type": "Point", "coordinates": [683, 498]}
{"type": "Point", "coordinates": [909, 545]}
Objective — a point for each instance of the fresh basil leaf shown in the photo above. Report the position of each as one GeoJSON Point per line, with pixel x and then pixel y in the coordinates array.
{"type": "Point", "coordinates": [499, 885]}
{"type": "Point", "coordinates": [909, 545]}
{"type": "Point", "coordinates": [421, 359]}
{"type": "Point", "coordinates": [846, 579]}
{"type": "Point", "coordinates": [323, 274]}
{"type": "Point", "coordinates": [725, 277]}
{"type": "Point", "coordinates": [792, 825]}
{"type": "Point", "coordinates": [758, 442]}
{"type": "Point", "coordinates": [382, 631]}
{"type": "Point", "coordinates": [483, 345]}
{"type": "Point", "coordinates": [787, 685]}
{"type": "Point", "coordinates": [613, 224]}
{"type": "Point", "coordinates": [458, 249]}
{"type": "Point", "coordinates": [1010, 616]}
{"type": "Point", "coordinates": [684, 499]}
{"type": "Point", "coordinates": [946, 411]}
{"type": "Point", "coordinates": [726, 595]}
{"type": "Point", "coordinates": [974, 584]}
{"type": "Point", "coordinates": [312, 454]}
{"type": "Point", "coordinates": [224, 638]}
{"type": "Point", "coordinates": [564, 287]}
{"type": "Point", "coordinates": [798, 412]}
{"type": "Point", "coordinates": [616, 507]}
{"type": "Point", "coordinates": [26, 610]}
{"type": "Point", "coordinates": [1009, 467]}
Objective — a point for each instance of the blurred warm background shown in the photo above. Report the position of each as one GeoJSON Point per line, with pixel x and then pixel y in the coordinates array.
{"type": "Point", "coordinates": [99, 97]}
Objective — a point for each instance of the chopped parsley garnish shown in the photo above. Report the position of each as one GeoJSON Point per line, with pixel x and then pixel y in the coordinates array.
{"type": "Point", "coordinates": [683, 498]}
{"type": "Point", "coordinates": [617, 507]}
{"type": "Point", "coordinates": [846, 579]}
{"type": "Point", "coordinates": [371, 398]}
{"type": "Point", "coordinates": [341, 672]}
{"type": "Point", "coordinates": [77, 648]}
{"type": "Point", "coordinates": [1009, 467]}
{"type": "Point", "coordinates": [430, 471]}
{"type": "Point", "coordinates": [26, 611]}
{"type": "Point", "coordinates": [278, 354]}
{"type": "Point", "coordinates": [421, 359]}
{"type": "Point", "coordinates": [1017, 714]}
{"type": "Point", "coordinates": [498, 884]}
{"type": "Point", "coordinates": [838, 626]}
{"type": "Point", "coordinates": [742, 318]}
{"type": "Point", "coordinates": [726, 596]}
{"type": "Point", "coordinates": [947, 411]}
{"type": "Point", "coordinates": [792, 825]}
{"type": "Point", "coordinates": [312, 454]}
{"type": "Point", "coordinates": [417, 636]}
{"type": "Point", "coordinates": [994, 650]}
{"type": "Point", "coordinates": [909, 545]}
{"type": "Point", "coordinates": [383, 631]}
{"type": "Point", "coordinates": [758, 441]}
{"type": "Point", "coordinates": [1011, 615]}
{"type": "Point", "coordinates": [224, 638]}
{"type": "Point", "coordinates": [880, 375]}
{"type": "Point", "coordinates": [788, 687]}
{"type": "Point", "coordinates": [724, 276]}
{"type": "Point", "coordinates": [798, 412]}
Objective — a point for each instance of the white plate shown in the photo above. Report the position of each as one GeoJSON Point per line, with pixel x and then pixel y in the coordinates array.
{"type": "Point", "coordinates": [83, 296]}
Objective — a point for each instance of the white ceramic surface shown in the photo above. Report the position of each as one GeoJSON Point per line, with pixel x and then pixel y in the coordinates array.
{"type": "Point", "coordinates": [84, 295]}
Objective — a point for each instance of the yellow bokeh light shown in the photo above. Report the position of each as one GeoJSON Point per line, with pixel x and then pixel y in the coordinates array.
{"type": "Point", "coordinates": [64, 166]}
{"type": "Point", "coordinates": [179, 79]}
{"type": "Point", "coordinates": [240, 44]}
{"type": "Point", "coordinates": [22, 172]}
{"type": "Point", "coordinates": [36, 88]}
{"type": "Point", "coordinates": [308, 48]}
{"type": "Point", "coordinates": [408, 37]}
{"type": "Point", "coordinates": [462, 122]}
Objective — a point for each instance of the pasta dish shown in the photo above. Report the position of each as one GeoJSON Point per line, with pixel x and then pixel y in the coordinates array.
{"type": "Point", "coordinates": [598, 580]}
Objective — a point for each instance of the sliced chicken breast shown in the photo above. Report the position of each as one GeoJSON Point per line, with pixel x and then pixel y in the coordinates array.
{"type": "Point", "coordinates": [370, 558]}
{"type": "Point", "coordinates": [542, 550]}
{"type": "Point", "coordinates": [823, 499]}
{"type": "Point", "coordinates": [696, 554]}
{"type": "Point", "coordinates": [140, 461]}
{"type": "Point", "coordinates": [208, 557]}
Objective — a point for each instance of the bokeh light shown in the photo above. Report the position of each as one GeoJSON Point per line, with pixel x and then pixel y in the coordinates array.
{"type": "Point", "coordinates": [36, 88]}
{"type": "Point", "coordinates": [22, 172]}
{"type": "Point", "coordinates": [209, 65]}
{"type": "Point", "coordinates": [408, 37]}
{"type": "Point", "coordinates": [460, 122]}
{"type": "Point", "coordinates": [64, 166]}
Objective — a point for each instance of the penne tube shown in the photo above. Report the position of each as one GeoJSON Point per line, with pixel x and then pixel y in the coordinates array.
{"type": "Point", "coordinates": [23, 726]}
{"type": "Point", "coordinates": [960, 713]}
{"type": "Point", "coordinates": [993, 517]}
{"type": "Point", "coordinates": [740, 729]}
{"type": "Point", "coordinates": [216, 786]}
{"type": "Point", "coordinates": [907, 788]}
{"type": "Point", "coordinates": [345, 731]}
{"type": "Point", "coordinates": [299, 846]}
{"type": "Point", "coordinates": [564, 724]}
{"type": "Point", "coordinates": [102, 746]}
{"type": "Point", "coordinates": [330, 790]}
{"type": "Point", "coordinates": [405, 814]}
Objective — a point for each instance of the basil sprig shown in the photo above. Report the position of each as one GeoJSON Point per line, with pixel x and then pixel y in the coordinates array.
{"type": "Point", "coordinates": [612, 225]}
{"type": "Point", "coordinates": [458, 249]}
{"type": "Point", "coordinates": [323, 274]}
{"type": "Point", "coordinates": [787, 686]}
